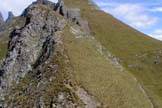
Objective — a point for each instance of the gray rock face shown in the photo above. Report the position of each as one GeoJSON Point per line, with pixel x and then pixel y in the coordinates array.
{"type": "Point", "coordinates": [10, 17]}
{"type": "Point", "coordinates": [30, 50]}
{"type": "Point", "coordinates": [47, 3]}
{"type": "Point", "coordinates": [29, 46]}
{"type": "Point", "coordinates": [59, 7]}
{"type": "Point", "coordinates": [1, 19]}
{"type": "Point", "coordinates": [72, 14]}
{"type": "Point", "coordinates": [69, 13]}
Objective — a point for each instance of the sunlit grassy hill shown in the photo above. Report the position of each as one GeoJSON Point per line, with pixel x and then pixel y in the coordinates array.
{"type": "Point", "coordinates": [138, 53]}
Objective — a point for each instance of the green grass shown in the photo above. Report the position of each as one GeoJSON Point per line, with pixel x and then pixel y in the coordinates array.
{"type": "Point", "coordinates": [129, 45]}
{"type": "Point", "coordinates": [3, 48]}
{"type": "Point", "coordinates": [115, 89]}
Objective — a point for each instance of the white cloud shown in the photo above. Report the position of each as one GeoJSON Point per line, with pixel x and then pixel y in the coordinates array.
{"type": "Point", "coordinates": [135, 15]}
{"type": "Point", "coordinates": [144, 16]}
{"type": "Point", "coordinates": [157, 9]}
{"type": "Point", "coordinates": [157, 34]}
{"type": "Point", "coordinates": [16, 6]}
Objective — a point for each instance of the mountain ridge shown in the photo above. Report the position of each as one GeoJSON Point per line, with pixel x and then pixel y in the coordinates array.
{"type": "Point", "coordinates": [29, 52]}
{"type": "Point", "coordinates": [69, 54]}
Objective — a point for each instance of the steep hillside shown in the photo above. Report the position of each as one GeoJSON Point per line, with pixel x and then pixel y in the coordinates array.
{"type": "Point", "coordinates": [71, 55]}
{"type": "Point", "coordinates": [138, 53]}
{"type": "Point", "coordinates": [103, 77]}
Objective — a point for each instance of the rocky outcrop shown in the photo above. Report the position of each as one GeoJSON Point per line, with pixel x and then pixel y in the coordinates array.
{"type": "Point", "coordinates": [29, 46]}
{"type": "Point", "coordinates": [1, 19]}
{"type": "Point", "coordinates": [72, 14]}
{"type": "Point", "coordinates": [10, 17]}
{"type": "Point", "coordinates": [40, 1]}
{"type": "Point", "coordinates": [32, 51]}
{"type": "Point", "coordinates": [47, 3]}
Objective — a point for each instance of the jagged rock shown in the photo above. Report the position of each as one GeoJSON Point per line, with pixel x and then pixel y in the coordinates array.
{"type": "Point", "coordinates": [49, 4]}
{"type": "Point", "coordinates": [73, 14]}
{"type": "Point", "coordinates": [30, 51]}
{"type": "Point", "coordinates": [59, 6]}
{"type": "Point", "coordinates": [10, 17]}
{"type": "Point", "coordinates": [69, 13]}
{"type": "Point", "coordinates": [29, 46]}
{"type": "Point", "coordinates": [40, 1]}
{"type": "Point", "coordinates": [1, 19]}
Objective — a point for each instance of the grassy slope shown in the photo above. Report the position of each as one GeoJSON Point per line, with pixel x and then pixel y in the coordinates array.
{"type": "Point", "coordinates": [109, 85]}
{"type": "Point", "coordinates": [136, 51]}
{"type": "Point", "coordinates": [3, 48]}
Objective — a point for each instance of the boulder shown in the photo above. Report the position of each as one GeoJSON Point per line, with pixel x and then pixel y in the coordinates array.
{"type": "Point", "coordinates": [85, 26]}
{"type": "Point", "coordinates": [74, 14]}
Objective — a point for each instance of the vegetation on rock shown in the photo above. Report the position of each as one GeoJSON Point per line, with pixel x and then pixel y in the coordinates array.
{"type": "Point", "coordinates": [70, 54]}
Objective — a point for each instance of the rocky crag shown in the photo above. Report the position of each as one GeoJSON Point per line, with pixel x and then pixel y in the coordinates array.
{"type": "Point", "coordinates": [34, 72]}
{"type": "Point", "coordinates": [9, 23]}
{"type": "Point", "coordinates": [10, 17]}
{"type": "Point", "coordinates": [1, 20]}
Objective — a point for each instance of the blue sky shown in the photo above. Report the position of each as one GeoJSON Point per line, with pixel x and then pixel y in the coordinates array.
{"type": "Point", "coordinates": [16, 6]}
{"type": "Point", "coordinates": [144, 15]}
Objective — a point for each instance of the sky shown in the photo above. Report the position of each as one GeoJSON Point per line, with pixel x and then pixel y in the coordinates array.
{"type": "Point", "coordinates": [16, 6]}
{"type": "Point", "coordinates": [143, 15]}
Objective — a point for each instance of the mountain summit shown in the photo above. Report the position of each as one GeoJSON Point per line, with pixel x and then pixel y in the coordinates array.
{"type": "Point", "coordinates": [10, 17]}
{"type": "Point", "coordinates": [1, 19]}
{"type": "Point", "coordinates": [69, 54]}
